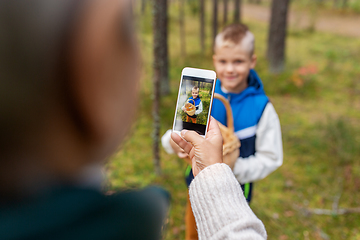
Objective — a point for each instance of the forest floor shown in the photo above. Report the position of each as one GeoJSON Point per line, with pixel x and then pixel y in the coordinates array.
{"type": "Point", "coordinates": [317, 100]}
{"type": "Point", "coordinates": [324, 21]}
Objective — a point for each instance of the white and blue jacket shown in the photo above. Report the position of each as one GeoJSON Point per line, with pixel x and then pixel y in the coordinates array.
{"type": "Point", "coordinates": [257, 126]}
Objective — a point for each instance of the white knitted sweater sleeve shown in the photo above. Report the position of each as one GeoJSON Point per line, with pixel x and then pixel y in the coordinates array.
{"type": "Point", "coordinates": [220, 208]}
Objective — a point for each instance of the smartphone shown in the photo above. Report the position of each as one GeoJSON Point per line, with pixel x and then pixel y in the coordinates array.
{"type": "Point", "coordinates": [194, 102]}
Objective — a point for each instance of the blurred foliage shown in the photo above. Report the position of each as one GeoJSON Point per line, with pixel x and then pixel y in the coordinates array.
{"type": "Point", "coordinates": [193, 6]}
{"type": "Point", "coordinates": [317, 99]}
{"type": "Point", "coordinates": [340, 6]}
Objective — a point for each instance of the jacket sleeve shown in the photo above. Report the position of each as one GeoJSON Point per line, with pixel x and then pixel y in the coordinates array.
{"type": "Point", "coordinates": [197, 112]}
{"type": "Point", "coordinates": [165, 142]}
{"type": "Point", "coordinates": [184, 104]}
{"type": "Point", "coordinates": [269, 152]}
{"type": "Point", "coordinates": [220, 208]}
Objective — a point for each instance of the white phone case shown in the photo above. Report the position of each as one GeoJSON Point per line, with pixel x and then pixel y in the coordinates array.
{"type": "Point", "coordinates": [205, 81]}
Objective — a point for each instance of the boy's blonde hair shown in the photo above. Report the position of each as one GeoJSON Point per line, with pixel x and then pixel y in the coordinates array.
{"type": "Point", "coordinates": [195, 88]}
{"type": "Point", "coordinates": [234, 34]}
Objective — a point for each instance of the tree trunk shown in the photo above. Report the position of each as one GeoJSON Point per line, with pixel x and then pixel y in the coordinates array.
{"type": "Point", "coordinates": [225, 12]}
{"type": "Point", "coordinates": [202, 25]}
{"type": "Point", "coordinates": [277, 35]}
{"type": "Point", "coordinates": [182, 29]}
{"type": "Point", "coordinates": [160, 44]}
{"type": "Point", "coordinates": [215, 20]}
{"type": "Point", "coordinates": [143, 6]}
{"type": "Point", "coordinates": [237, 12]}
{"type": "Point", "coordinates": [160, 66]}
{"type": "Point", "coordinates": [344, 4]}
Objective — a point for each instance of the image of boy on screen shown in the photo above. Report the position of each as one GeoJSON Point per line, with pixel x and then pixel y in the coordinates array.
{"type": "Point", "coordinates": [195, 101]}
{"type": "Point", "coordinates": [195, 93]}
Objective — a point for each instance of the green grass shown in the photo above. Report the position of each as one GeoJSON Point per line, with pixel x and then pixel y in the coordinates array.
{"type": "Point", "coordinates": [320, 119]}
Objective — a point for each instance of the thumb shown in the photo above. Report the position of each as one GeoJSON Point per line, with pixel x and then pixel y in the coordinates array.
{"type": "Point", "coordinates": [214, 126]}
{"type": "Point", "coordinates": [213, 130]}
{"type": "Point", "coordinates": [191, 137]}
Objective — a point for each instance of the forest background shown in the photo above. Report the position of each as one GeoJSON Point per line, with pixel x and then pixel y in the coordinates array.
{"type": "Point", "coordinates": [316, 193]}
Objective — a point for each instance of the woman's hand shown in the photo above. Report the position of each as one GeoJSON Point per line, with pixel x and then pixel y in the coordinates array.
{"type": "Point", "coordinates": [179, 151]}
{"type": "Point", "coordinates": [203, 152]}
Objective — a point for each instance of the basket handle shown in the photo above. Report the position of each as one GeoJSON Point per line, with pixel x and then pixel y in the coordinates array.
{"type": "Point", "coordinates": [192, 100]}
{"type": "Point", "coordinates": [230, 120]}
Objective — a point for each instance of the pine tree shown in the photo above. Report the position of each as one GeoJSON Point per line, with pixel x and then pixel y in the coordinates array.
{"type": "Point", "coordinates": [225, 12]}
{"type": "Point", "coordinates": [160, 80]}
{"type": "Point", "coordinates": [237, 12]}
{"type": "Point", "coordinates": [215, 20]}
{"type": "Point", "coordinates": [277, 35]}
{"type": "Point", "coordinates": [202, 25]}
{"type": "Point", "coordinates": [182, 29]}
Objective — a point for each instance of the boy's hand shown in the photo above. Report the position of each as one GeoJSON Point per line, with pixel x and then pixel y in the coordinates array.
{"type": "Point", "coordinates": [183, 108]}
{"type": "Point", "coordinates": [203, 152]}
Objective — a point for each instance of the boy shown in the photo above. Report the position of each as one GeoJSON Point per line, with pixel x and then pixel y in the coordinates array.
{"type": "Point", "coordinates": [255, 120]}
{"type": "Point", "coordinates": [195, 100]}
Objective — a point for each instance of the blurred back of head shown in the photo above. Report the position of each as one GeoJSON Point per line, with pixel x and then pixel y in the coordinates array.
{"type": "Point", "coordinates": [65, 68]}
{"type": "Point", "coordinates": [32, 78]}
{"type": "Point", "coordinates": [32, 36]}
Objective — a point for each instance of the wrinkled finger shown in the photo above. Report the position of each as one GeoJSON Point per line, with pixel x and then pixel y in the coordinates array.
{"type": "Point", "coordinates": [182, 154]}
{"type": "Point", "coordinates": [192, 137]}
{"type": "Point", "coordinates": [183, 144]}
{"type": "Point", "coordinates": [213, 129]}
{"type": "Point", "coordinates": [181, 151]}
{"type": "Point", "coordinates": [213, 125]}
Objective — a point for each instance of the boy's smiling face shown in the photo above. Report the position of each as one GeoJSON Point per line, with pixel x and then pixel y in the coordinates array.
{"type": "Point", "coordinates": [232, 64]}
{"type": "Point", "coordinates": [195, 93]}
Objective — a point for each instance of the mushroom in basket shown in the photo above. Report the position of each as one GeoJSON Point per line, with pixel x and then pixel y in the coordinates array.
{"type": "Point", "coordinates": [190, 108]}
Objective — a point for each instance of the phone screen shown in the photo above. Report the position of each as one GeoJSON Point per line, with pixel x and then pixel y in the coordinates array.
{"type": "Point", "coordinates": [194, 104]}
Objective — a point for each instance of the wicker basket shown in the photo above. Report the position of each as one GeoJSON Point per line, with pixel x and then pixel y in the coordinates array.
{"type": "Point", "coordinates": [231, 143]}
{"type": "Point", "coordinates": [190, 108]}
